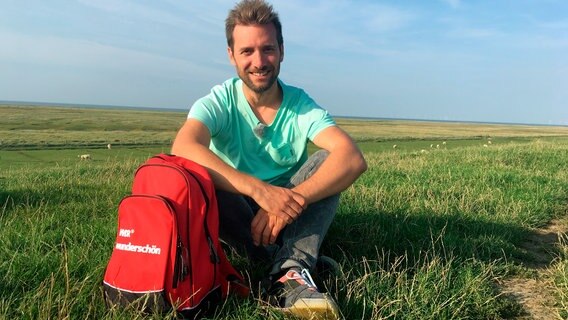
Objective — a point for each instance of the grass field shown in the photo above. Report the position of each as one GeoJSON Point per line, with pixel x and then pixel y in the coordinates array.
{"type": "Point", "coordinates": [426, 233]}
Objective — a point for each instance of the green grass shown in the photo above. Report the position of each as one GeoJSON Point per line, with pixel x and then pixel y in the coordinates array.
{"type": "Point", "coordinates": [421, 235]}
{"type": "Point", "coordinates": [24, 128]}
{"type": "Point", "coordinates": [27, 127]}
{"type": "Point", "coordinates": [560, 278]}
{"type": "Point", "coordinates": [68, 157]}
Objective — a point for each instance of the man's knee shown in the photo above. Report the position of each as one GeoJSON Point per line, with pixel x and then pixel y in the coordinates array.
{"type": "Point", "coordinates": [310, 167]}
{"type": "Point", "coordinates": [319, 156]}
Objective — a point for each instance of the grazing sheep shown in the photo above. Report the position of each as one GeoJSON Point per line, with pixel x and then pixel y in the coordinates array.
{"type": "Point", "coordinates": [423, 151]}
{"type": "Point", "coordinates": [485, 146]}
{"type": "Point", "coordinates": [489, 142]}
{"type": "Point", "coordinates": [84, 156]}
{"type": "Point", "coordinates": [394, 146]}
{"type": "Point", "coordinates": [431, 146]}
{"type": "Point", "coordinates": [109, 146]}
{"type": "Point", "coordinates": [437, 146]}
{"type": "Point", "coordinates": [444, 143]}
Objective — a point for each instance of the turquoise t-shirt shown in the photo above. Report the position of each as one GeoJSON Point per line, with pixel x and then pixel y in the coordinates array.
{"type": "Point", "coordinates": [281, 148]}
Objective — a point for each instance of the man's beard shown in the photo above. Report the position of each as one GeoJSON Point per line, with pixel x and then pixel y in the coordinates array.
{"type": "Point", "coordinates": [245, 77]}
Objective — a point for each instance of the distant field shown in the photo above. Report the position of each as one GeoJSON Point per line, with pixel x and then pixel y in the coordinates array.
{"type": "Point", "coordinates": [45, 136]}
{"type": "Point", "coordinates": [431, 231]}
{"type": "Point", "coordinates": [51, 127]}
{"type": "Point", "coordinates": [406, 129]}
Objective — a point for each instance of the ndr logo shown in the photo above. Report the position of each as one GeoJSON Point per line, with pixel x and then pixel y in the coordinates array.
{"type": "Point", "coordinates": [125, 232]}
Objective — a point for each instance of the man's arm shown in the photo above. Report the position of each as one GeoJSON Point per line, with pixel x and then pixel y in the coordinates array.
{"type": "Point", "coordinates": [344, 164]}
{"type": "Point", "coordinates": [192, 142]}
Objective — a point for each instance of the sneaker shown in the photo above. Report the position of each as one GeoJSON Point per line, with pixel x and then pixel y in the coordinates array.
{"type": "Point", "coordinates": [296, 293]}
{"type": "Point", "coordinates": [327, 271]}
{"type": "Point", "coordinates": [326, 267]}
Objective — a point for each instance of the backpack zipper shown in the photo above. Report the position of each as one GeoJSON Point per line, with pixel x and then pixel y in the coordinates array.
{"type": "Point", "coordinates": [181, 269]}
{"type": "Point", "coordinates": [213, 255]}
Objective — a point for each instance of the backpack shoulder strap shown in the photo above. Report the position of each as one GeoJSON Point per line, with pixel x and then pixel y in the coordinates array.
{"type": "Point", "coordinates": [190, 165]}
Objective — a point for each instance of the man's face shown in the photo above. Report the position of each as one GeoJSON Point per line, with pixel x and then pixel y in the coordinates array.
{"type": "Point", "coordinates": [256, 56]}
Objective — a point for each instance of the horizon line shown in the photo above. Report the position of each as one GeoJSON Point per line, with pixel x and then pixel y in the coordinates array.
{"type": "Point", "coordinates": [174, 109]}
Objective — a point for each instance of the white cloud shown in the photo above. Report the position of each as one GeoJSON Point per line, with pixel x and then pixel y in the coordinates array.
{"type": "Point", "coordinates": [554, 24]}
{"type": "Point", "coordinates": [134, 9]}
{"type": "Point", "coordinates": [475, 33]}
{"type": "Point", "coordinates": [542, 42]}
{"type": "Point", "coordinates": [383, 18]}
{"type": "Point", "coordinates": [341, 25]}
{"type": "Point", "coordinates": [61, 52]}
{"type": "Point", "coordinates": [193, 18]}
{"type": "Point", "coordinates": [453, 3]}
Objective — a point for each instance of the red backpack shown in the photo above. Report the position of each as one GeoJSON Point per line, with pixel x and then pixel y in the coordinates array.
{"type": "Point", "coordinates": [167, 252]}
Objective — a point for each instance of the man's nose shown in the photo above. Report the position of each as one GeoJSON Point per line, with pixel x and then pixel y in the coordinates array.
{"type": "Point", "coordinates": [259, 60]}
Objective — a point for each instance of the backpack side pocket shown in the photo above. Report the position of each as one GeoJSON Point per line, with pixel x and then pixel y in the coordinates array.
{"type": "Point", "coordinates": [144, 255]}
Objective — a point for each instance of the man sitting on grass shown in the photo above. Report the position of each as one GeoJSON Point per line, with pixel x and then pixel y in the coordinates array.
{"type": "Point", "coordinates": [251, 133]}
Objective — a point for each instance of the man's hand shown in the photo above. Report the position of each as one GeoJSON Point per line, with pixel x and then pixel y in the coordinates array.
{"type": "Point", "coordinates": [282, 202]}
{"type": "Point", "coordinates": [265, 227]}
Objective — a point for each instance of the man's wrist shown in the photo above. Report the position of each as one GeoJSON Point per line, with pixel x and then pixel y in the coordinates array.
{"type": "Point", "coordinates": [301, 191]}
{"type": "Point", "coordinates": [251, 187]}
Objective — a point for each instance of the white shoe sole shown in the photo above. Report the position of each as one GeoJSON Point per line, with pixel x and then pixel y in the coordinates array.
{"type": "Point", "coordinates": [315, 309]}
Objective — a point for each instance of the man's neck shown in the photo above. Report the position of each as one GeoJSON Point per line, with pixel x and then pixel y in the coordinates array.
{"type": "Point", "coordinates": [271, 98]}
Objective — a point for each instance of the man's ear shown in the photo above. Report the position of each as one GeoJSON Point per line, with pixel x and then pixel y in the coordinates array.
{"type": "Point", "coordinates": [231, 56]}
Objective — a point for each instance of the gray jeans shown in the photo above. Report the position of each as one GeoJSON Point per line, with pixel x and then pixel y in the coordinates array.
{"type": "Point", "coordinates": [298, 243]}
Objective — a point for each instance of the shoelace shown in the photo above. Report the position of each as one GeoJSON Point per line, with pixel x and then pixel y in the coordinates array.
{"type": "Point", "coordinates": [308, 278]}
{"type": "Point", "coordinates": [303, 277]}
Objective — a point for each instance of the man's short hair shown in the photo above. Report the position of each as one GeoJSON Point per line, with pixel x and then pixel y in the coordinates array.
{"type": "Point", "coordinates": [251, 12]}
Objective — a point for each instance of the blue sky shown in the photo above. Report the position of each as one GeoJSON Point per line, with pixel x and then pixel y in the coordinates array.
{"type": "Point", "coordinates": [494, 61]}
